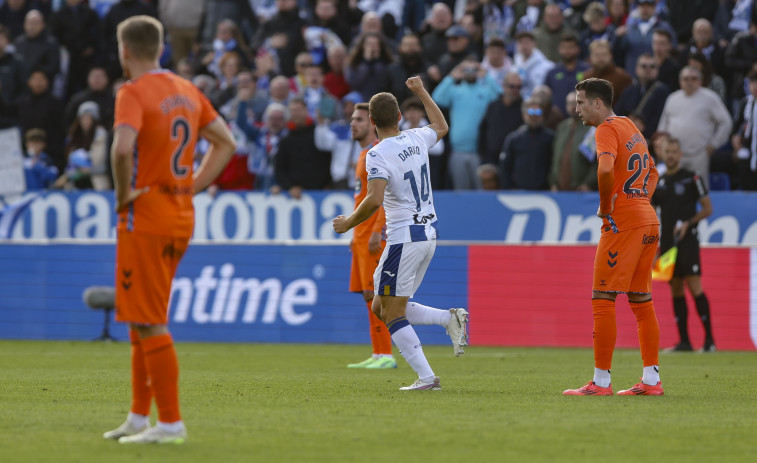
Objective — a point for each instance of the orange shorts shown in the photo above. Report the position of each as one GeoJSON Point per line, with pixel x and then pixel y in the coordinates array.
{"type": "Point", "coordinates": [145, 267]}
{"type": "Point", "coordinates": [363, 265]}
{"type": "Point", "coordinates": [623, 263]}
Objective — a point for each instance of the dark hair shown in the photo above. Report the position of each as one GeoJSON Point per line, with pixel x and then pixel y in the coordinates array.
{"type": "Point", "coordinates": [706, 67]}
{"type": "Point", "coordinates": [78, 137]}
{"type": "Point", "coordinates": [384, 110]}
{"type": "Point", "coordinates": [597, 88]}
{"type": "Point", "coordinates": [664, 32]}
{"type": "Point", "coordinates": [413, 102]}
{"type": "Point", "coordinates": [362, 106]}
{"type": "Point", "coordinates": [4, 31]}
{"type": "Point", "coordinates": [496, 42]}
{"type": "Point", "coordinates": [35, 135]}
{"type": "Point", "coordinates": [356, 54]}
{"type": "Point", "coordinates": [568, 37]}
{"type": "Point", "coordinates": [752, 76]}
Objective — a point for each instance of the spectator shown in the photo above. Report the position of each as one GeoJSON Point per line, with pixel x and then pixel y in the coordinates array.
{"type": "Point", "coordinates": [498, 19]}
{"type": "Point", "coordinates": [246, 90]}
{"type": "Point", "coordinates": [668, 68]}
{"type": "Point", "coordinates": [228, 39]}
{"type": "Point", "coordinates": [646, 96]}
{"type": "Point", "coordinates": [525, 157]}
{"type": "Point", "coordinates": [637, 38]}
{"type": "Point", "coordinates": [282, 34]}
{"type": "Point", "coordinates": [39, 170]}
{"type": "Point", "coordinates": [489, 177]}
{"type": "Point", "coordinates": [709, 79]}
{"type": "Point", "coordinates": [466, 92]}
{"type": "Point", "coordinates": [182, 21]}
{"type": "Point", "coordinates": [13, 14]}
{"type": "Point", "coordinates": [703, 41]}
{"type": "Point", "coordinates": [410, 63]}
{"type": "Point", "coordinates": [119, 12]}
{"type": "Point", "coordinates": [316, 97]}
{"type": "Point", "coordinates": [574, 166]}
{"type": "Point", "coordinates": [568, 72]}
{"type": "Point", "coordinates": [215, 11]}
{"type": "Point", "coordinates": [335, 137]}
{"type": "Point", "coordinates": [740, 55]}
{"type": "Point", "coordinates": [39, 109]}
{"type": "Point", "coordinates": [371, 23]}
{"type": "Point", "coordinates": [496, 62]}
{"type": "Point", "coordinates": [99, 91]}
{"type": "Point", "coordinates": [280, 91]}
{"type": "Point", "coordinates": [36, 48]}
{"type": "Point", "coordinates": [597, 27]}
{"type": "Point", "coordinates": [265, 142]}
{"type": "Point", "coordinates": [299, 164]}
{"type": "Point", "coordinates": [699, 119]}
{"type": "Point", "coordinates": [551, 31]}
{"type": "Point", "coordinates": [413, 117]}
{"type": "Point", "coordinates": [435, 39]}
{"type": "Point", "coordinates": [603, 67]}
{"type": "Point", "coordinates": [744, 140]}
{"type": "Point", "coordinates": [531, 63]}
{"type": "Point", "coordinates": [185, 69]}
{"type": "Point", "coordinates": [86, 152]}
{"type": "Point", "coordinates": [503, 116]}
{"type": "Point", "coordinates": [552, 114]}
{"type": "Point", "coordinates": [334, 80]}
{"type": "Point", "coordinates": [325, 31]}
{"type": "Point", "coordinates": [297, 81]}
{"type": "Point", "coordinates": [468, 21]}
{"type": "Point", "coordinates": [617, 13]}
{"type": "Point", "coordinates": [458, 48]}
{"type": "Point", "coordinates": [230, 65]}
{"type": "Point", "coordinates": [12, 78]}
{"type": "Point", "coordinates": [76, 27]}
{"type": "Point", "coordinates": [390, 12]}
{"type": "Point", "coordinates": [369, 59]}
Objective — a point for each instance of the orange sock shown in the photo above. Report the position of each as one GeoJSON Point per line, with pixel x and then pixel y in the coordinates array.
{"type": "Point", "coordinates": [649, 332]}
{"type": "Point", "coordinates": [163, 369]}
{"type": "Point", "coordinates": [141, 394]}
{"type": "Point", "coordinates": [605, 332]}
{"type": "Point", "coordinates": [380, 337]}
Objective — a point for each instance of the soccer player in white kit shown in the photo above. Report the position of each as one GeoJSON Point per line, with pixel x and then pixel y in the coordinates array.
{"type": "Point", "coordinates": [398, 177]}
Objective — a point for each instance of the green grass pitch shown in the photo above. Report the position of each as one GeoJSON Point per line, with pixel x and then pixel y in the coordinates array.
{"type": "Point", "coordinates": [298, 403]}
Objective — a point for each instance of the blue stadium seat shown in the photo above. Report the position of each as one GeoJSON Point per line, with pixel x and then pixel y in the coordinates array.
{"type": "Point", "coordinates": [720, 181]}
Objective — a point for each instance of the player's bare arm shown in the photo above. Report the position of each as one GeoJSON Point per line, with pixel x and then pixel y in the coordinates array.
{"type": "Point", "coordinates": [222, 147]}
{"type": "Point", "coordinates": [606, 180]}
{"type": "Point", "coordinates": [435, 116]}
{"type": "Point", "coordinates": [124, 139]}
{"type": "Point", "coordinates": [367, 207]}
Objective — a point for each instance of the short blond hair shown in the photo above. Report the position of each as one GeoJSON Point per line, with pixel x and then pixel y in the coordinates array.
{"type": "Point", "coordinates": [142, 35]}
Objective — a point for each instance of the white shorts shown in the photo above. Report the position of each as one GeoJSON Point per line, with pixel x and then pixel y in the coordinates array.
{"type": "Point", "coordinates": [402, 267]}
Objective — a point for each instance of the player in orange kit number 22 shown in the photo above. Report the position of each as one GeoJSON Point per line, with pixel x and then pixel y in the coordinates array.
{"type": "Point", "coordinates": [157, 121]}
{"type": "Point", "coordinates": [630, 234]}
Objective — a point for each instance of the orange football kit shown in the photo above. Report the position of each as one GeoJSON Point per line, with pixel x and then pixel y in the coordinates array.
{"type": "Point", "coordinates": [363, 261]}
{"type": "Point", "coordinates": [630, 234]}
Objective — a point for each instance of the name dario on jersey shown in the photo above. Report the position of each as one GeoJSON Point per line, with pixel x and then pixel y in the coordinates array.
{"type": "Point", "coordinates": [411, 150]}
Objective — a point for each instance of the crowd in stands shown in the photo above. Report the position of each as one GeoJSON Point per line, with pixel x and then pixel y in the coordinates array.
{"type": "Point", "coordinates": [286, 74]}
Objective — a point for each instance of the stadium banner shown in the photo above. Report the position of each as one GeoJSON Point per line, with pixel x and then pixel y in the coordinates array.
{"type": "Point", "coordinates": [518, 295]}
{"type": "Point", "coordinates": [254, 217]}
{"type": "Point", "coordinates": [221, 293]}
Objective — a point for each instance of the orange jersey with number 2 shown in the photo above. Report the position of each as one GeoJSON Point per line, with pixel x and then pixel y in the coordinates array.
{"type": "Point", "coordinates": [621, 145]}
{"type": "Point", "coordinates": [167, 112]}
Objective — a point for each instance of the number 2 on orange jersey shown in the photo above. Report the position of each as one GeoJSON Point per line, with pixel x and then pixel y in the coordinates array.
{"type": "Point", "coordinates": [180, 130]}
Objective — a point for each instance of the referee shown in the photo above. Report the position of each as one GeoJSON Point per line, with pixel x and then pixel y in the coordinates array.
{"type": "Point", "coordinates": [678, 192]}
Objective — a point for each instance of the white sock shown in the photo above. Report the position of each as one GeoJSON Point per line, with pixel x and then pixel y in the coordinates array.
{"type": "Point", "coordinates": [375, 356]}
{"type": "Point", "coordinates": [137, 420]}
{"type": "Point", "coordinates": [176, 426]}
{"type": "Point", "coordinates": [419, 314]}
{"type": "Point", "coordinates": [651, 375]}
{"type": "Point", "coordinates": [389, 356]}
{"type": "Point", "coordinates": [410, 348]}
{"type": "Point", "coordinates": [602, 377]}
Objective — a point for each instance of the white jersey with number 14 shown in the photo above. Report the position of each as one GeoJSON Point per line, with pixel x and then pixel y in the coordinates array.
{"type": "Point", "coordinates": [408, 201]}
